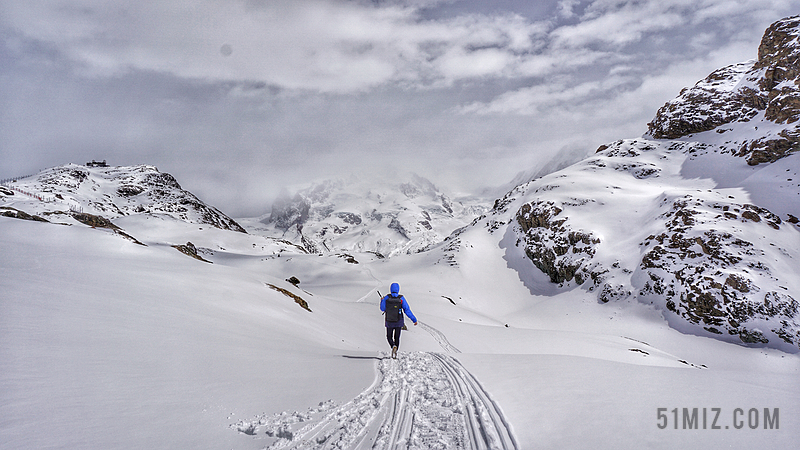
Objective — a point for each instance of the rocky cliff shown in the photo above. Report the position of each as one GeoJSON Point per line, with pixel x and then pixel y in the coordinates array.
{"type": "Point", "coordinates": [764, 93]}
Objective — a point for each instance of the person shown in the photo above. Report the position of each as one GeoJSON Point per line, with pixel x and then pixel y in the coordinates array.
{"type": "Point", "coordinates": [395, 307]}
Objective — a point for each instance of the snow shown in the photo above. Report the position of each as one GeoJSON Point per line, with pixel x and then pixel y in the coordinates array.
{"type": "Point", "coordinates": [420, 400]}
{"type": "Point", "coordinates": [109, 344]}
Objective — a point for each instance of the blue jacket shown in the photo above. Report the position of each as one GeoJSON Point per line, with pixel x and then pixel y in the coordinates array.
{"type": "Point", "coordinates": [406, 309]}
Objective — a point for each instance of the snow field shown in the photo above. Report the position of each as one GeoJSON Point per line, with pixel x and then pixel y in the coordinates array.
{"type": "Point", "coordinates": [109, 344]}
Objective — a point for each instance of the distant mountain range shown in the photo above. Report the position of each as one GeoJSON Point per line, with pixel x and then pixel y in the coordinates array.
{"type": "Point", "coordinates": [402, 214]}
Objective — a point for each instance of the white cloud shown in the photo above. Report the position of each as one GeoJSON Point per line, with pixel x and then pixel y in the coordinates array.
{"type": "Point", "coordinates": [319, 45]}
{"type": "Point", "coordinates": [546, 99]}
{"type": "Point", "coordinates": [566, 7]}
{"type": "Point", "coordinates": [464, 91]}
{"type": "Point", "coordinates": [617, 25]}
{"type": "Point", "coordinates": [343, 46]}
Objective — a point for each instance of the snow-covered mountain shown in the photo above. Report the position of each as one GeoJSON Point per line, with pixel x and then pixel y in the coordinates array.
{"type": "Point", "coordinates": [404, 214]}
{"type": "Point", "coordinates": [753, 106]}
{"type": "Point", "coordinates": [95, 189]}
{"type": "Point", "coordinates": [699, 218]}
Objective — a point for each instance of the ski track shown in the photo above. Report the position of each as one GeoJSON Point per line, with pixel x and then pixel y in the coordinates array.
{"type": "Point", "coordinates": [440, 338]}
{"type": "Point", "coordinates": [419, 401]}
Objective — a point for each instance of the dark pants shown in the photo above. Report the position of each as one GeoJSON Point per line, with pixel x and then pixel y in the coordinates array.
{"type": "Point", "coordinates": [393, 336]}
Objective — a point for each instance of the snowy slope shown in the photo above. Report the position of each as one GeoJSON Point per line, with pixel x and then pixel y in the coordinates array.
{"type": "Point", "coordinates": [629, 224]}
{"type": "Point", "coordinates": [402, 214]}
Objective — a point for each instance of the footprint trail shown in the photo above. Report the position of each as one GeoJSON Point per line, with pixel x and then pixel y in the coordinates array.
{"type": "Point", "coordinates": [419, 401]}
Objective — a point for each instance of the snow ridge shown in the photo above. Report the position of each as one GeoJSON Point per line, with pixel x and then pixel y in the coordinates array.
{"type": "Point", "coordinates": [633, 223]}
{"type": "Point", "coordinates": [117, 191]}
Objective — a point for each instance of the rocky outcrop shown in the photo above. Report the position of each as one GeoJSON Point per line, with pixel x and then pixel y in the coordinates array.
{"type": "Point", "coordinates": [96, 221]}
{"type": "Point", "coordinates": [17, 214]}
{"type": "Point", "coordinates": [765, 90]}
{"type": "Point", "coordinates": [189, 249]}
{"type": "Point", "coordinates": [553, 246]}
{"type": "Point", "coordinates": [297, 299]}
{"type": "Point", "coordinates": [709, 104]}
{"type": "Point", "coordinates": [712, 277]}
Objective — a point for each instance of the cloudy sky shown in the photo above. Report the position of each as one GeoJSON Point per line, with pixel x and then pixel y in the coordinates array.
{"type": "Point", "coordinates": [238, 98]}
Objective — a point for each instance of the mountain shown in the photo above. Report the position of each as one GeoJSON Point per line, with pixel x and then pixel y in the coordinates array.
{"type": "Point", "coordinates": [699, 218]}
{"type": "Point", "coordinates": [407, 214]}
{"type": "Point", "coordinates": [95, 189]}
{"type": "Point", "coordinates": [753, 106]}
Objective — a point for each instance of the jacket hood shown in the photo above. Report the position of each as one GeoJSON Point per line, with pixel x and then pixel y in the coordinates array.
{"type": "Point", "coordinates": [395, 289]}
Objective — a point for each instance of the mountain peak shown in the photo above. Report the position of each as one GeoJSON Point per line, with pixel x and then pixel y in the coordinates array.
{"type": "Point", "coordinates": [402, 213]}
{"type": "Point", "coordinates": [757, 102]}
{"type": "Point", "coordinates": [780, 47]}
{"type": "Point", "coordinates": [116, 191]}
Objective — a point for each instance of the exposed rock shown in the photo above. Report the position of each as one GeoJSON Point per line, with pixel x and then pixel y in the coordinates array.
{"type": "Point", "coordinates": [17, 214]}
{"type": "Point", "coordinates": [767, 150]}
{"type": "Point", "coordinates": [189, 249]}
{"type": "Point", "coordinates": [297, 299]}
{"type": "Point", "coordinates": [350, 218]}
{"type": "Point", "coordinates": [349, 258]}
{"type": "Point", "coordinates": [94, 221]}
{"type": "Point", "coordinates": [553, 247]}
{"type": "Point", "coordinates": [740, 92]}
{"type": "Point", "coordinates": [397, 226]}
{"type": "Point", "coordinates": [709, 277]}
{"type": "Point", "coordinates": [129, 190]}
{"type": "Point", "coordinates": [779, 52]}
{"type": "Point", "coordinates": [708, 105]}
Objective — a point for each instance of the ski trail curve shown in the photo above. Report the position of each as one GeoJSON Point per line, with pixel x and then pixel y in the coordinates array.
{"type": "Point", "coordinates": [440, 338]}
{"type": "Point", "coordinates": [487, 425]}
{"type": "Point", "coordinates": [419, 401]}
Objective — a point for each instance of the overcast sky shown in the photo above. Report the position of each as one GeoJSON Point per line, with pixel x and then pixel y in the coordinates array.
{"type": "Point", "coordinates": [239, 98]}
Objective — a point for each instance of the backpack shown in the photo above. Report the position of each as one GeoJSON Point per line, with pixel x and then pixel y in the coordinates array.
{"type": "Point", "coordinates": [394, 308]}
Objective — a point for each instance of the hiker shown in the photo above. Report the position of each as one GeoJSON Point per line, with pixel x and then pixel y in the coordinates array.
{"type": "Point", "coordinates": [394, 305]}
